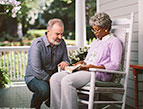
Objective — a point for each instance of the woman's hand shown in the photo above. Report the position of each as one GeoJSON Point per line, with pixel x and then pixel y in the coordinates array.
{"type": "Point", "coordinates": [79, 62]}
{"type": "Point", "coordinates": [86, 67]}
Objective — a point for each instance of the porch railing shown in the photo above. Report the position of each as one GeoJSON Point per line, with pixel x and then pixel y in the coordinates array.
{"type": "Point", "coordinates": [13, 59]}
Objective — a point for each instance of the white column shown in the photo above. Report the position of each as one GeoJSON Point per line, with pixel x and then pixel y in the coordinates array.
{"type": "Point", "coordinates": [97, 6]}
{"type": "Point", "coordinates": [80, 24]}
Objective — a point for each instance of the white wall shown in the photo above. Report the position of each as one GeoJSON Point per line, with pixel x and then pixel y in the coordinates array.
{"type": "Point", "coordinates": [140, 26]}
{"type": "Point", "coordinates": [123, 8]}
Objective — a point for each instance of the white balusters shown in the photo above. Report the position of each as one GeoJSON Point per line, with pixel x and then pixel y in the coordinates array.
{"type": "Point", "coordinates": [14, 60]}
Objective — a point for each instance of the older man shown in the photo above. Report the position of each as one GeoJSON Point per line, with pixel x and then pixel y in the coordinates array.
{"type": "Point", "coordinates": [45, 54]}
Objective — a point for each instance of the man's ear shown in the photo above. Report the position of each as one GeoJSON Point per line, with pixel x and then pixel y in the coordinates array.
{"type": "Point", "coordinates": [48, 30]}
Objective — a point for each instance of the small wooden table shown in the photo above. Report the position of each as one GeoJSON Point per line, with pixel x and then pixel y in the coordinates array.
{"type": "Point", "coordinates": [136, 70]}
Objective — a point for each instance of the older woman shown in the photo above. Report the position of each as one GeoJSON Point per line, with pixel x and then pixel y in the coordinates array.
{"type": "Point", "coordinates": [105, 53]}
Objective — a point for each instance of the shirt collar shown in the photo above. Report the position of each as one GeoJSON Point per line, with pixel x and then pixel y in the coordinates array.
{"type": "Point", "coordinates": [105, 38]}
{"type": "Point", "coordinates": [45, 39]}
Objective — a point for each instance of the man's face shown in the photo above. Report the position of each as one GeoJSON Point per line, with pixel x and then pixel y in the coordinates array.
{"type": "Point", "coordinates": [55, 34]}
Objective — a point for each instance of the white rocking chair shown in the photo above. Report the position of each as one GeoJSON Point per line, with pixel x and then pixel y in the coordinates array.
{"type": "Point", "coordinates": [123, 29]}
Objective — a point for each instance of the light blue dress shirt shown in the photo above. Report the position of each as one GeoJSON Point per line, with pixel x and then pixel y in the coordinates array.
{"type": "Point", "coordinates": [43, 59]}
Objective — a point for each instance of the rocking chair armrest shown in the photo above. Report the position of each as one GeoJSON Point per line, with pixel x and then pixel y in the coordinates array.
{"type": "Point", "coordinates": [107, 71]}
{"type": "Point", "coordinates": [59, 69]}
{"type": "Point", "coordinates": [100, 70]}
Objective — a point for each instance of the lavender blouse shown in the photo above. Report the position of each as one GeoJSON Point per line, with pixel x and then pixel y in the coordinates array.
{"type": "Point", "coordinates": [107, 52]}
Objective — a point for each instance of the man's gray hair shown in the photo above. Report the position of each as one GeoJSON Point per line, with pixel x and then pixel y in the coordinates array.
{"type": "Point", "coordinates": [101, 19]}
{"type": "Point", "coordinates": [51, 22]}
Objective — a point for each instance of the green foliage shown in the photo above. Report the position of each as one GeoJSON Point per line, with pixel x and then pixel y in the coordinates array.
{"type": "Point", "coordinates": [90, 10]}
{"type": "Point", "coordinates": [90, 41]}
{"type": "Point", "coordinates": [90, 7]}
{"type": "Point", "coordinates": [65, 10]}
{"type": "Point", "coordinates": [5, 44]}
{"type": "Point", "coordinates": [29, 37]}
{"type": "Point", "coordinates": [4, 78]}
{"type": "Point", "coordinates": [8, 37]}
{"type": "Point", "coordinates": [78, 55]}
{"type": "Point", "coordinates": [34, 14]}
{"type": "Point", "coordinates": [70, 42]}
{"type": "Point", "coordinates": [32, 34]}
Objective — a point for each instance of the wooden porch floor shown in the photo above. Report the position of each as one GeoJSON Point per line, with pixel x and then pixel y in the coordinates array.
{"type": "Point", "coordinates": [18, 97]}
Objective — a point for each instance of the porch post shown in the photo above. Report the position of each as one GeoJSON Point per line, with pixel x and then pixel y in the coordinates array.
{"type": "Point", "coordinates": [97, 6]}
{"type": "Point", "coordinates": [80, 24]}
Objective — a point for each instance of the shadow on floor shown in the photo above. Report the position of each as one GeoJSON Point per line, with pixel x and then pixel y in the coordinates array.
{"type": "Point", "coordinates": [18, 96]}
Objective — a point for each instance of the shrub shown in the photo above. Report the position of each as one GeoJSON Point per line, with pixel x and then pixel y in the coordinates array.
{"type": "Point", "coordinates": [4, 78]}
{"type": "Point", "coordinates": [32, 34]}
{"type": "Point", "coordinates": [78, 55]}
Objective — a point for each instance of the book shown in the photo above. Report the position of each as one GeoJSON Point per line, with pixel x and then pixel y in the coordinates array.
{"type": "Point", "coordinates": [70, 69]}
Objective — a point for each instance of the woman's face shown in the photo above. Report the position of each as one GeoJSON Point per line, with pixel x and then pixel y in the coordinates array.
{"type": "Point", "coordinates": [100, 32]}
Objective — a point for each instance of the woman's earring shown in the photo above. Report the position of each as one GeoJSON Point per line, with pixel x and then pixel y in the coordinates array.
{"type": "Point", "coordinates": [106, 31]}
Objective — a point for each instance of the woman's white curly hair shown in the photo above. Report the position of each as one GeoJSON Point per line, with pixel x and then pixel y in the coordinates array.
{"type": "Point", "coordinates": [101, 19]}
